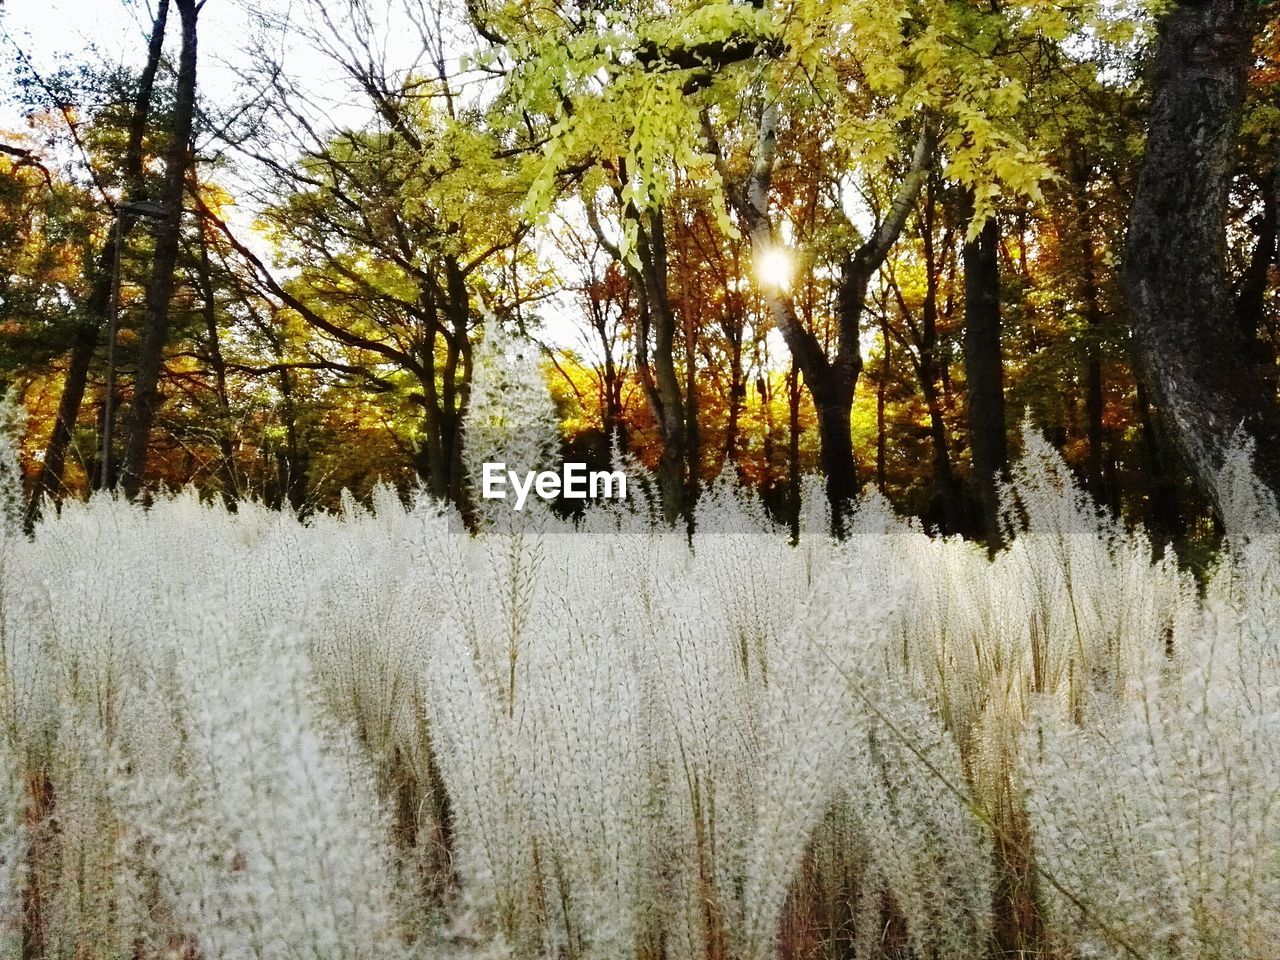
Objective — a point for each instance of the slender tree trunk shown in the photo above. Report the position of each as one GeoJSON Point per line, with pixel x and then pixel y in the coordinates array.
{"type": "Point", "coordinates": [655, 345]}
{"type": "Point", "coordinates": [457, 385]}
{"type": "Point", "coordinates": [218, 367]}
{"type": "Point", "coordinates": [1202, 373]}
{"type": "Point", "coordinates": [292, 467]}
{"type": "Point", "coordinates": [1251, 296]}
{"type": "Point", "coordinates": [1091, 304]}
{"type": "Point", "coordinates": [610, 381]}
{"type": "Point", "coordinates": [85, 341]}
{"type": "Point", "coordinates": [83, 345]}
{"type": "Point", "coordinates": [984, 372]}
{"type": "Point", "coordinates": [432, 464]}
{"type": "Point", "coordinates": [733, 331]}
{"type": "Point", "coordinates": [693, 438]}
{"type": "Point", "coordinates": [1095, 430]}
{"type": "Point", "coordinates": [671, 421]}
{"type": "Point", "coordinates": [155, 326]}
{"type": "Point", "coordinates": [886, 365]}
{"type": "Point", "coordinates": [793, 448]}
{"type": "Point", "coordinates": [944, 479]}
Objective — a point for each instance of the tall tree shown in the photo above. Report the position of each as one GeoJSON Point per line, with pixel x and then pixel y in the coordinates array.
{"type": "Point", "coordinates": [831, 380]}
{"type": "Point", "coordinates": [102, 290]}
{"type": "Point", "coordinates": [168, 235]}
{"type": "Point", "coordinates": [647, 266]}
{"type": "Point", "coordinates": [1197, 363]}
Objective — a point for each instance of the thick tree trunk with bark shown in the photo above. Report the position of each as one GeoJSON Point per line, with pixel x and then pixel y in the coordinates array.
{"type": "Point", "coordinates": [1203, 374]}
{"type": "Point", "coordinates": [984, 372]}
{"type": "Point", "coordinates": [85, 342]}
{"type": "Point", "coordinates": [1163, 517]}
{"type": "Point", "coordinates": [155, 324]}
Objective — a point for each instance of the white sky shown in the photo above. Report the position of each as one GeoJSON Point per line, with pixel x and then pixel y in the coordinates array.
{"type": "Point", "coordinates": [118, 29]}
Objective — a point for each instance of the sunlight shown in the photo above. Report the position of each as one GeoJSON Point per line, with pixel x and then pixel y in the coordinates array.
{"type": "Point", "coordinates": [774, 267]}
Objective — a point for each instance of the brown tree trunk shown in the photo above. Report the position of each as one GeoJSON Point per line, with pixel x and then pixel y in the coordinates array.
{"type": "Point", "coordinates": [85, 341]}
{"type": "Point", "coordinates": [155, 325]}
{"type": "Point", "coordinates": [611, 380]}
{"type": "Point", "coordinates": [984, 373]}
{"type": "Point", "coordinates": [1202, 373]}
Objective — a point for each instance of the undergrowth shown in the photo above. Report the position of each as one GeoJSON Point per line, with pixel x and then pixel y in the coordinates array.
{"type": "Point", "coordinates": [376, 735]}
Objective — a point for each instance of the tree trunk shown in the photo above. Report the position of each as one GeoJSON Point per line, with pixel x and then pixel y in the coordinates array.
{"type": "Point", "coordinates": [432, 464]}
{"type": "Point", "coordinates": [655, 344]}
{"type": "Point", "coordinates": [732, 327]}
{"type": "Point", "coordinates": [83, 345]}
{"type": "Point", "coordinates": [611, 380]}
{"type": "Point", "coordinates": [944, 479]}
{"type": "Point", "coordinates": [886, 364]}
{"type": "Point", "coordinates": [155, 327]}
{"type": "Point", "coordinates": [218, 367]}
{"type": "Point", "coordinates": [984, 373]}
{"type": "Point", "coordinates": [85, 341]}
{"type": "Point", "coordinates": [1164, 518]}
{"type": "Point", "coordinates": [693, 438]}
{"type": "Point", "coordinates": [670, 403]}
{"type": "Point", "coordinates": [1251, 297]}
{"type": "Point", "coordinates": [834, 404]}
{"type": "Point", "coordinates": [1091, 307]}
{"type": "Point", "coordinates": [457, 385]}
{"type": "Point", "coordinates": [1202, 373]}
{"type": "Point", "coordinates": [793, 448]}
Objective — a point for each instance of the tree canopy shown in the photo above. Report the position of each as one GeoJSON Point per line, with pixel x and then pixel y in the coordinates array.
{"type": "Point", "coordinates": [857, 238]}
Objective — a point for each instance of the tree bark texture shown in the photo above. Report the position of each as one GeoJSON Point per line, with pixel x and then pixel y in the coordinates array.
{"type": "Point", "coordinates": [1202, 371]}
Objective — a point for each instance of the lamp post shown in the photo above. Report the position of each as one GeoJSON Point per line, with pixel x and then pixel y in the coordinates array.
{"type": "Point", "coordinates": [138, 208]}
